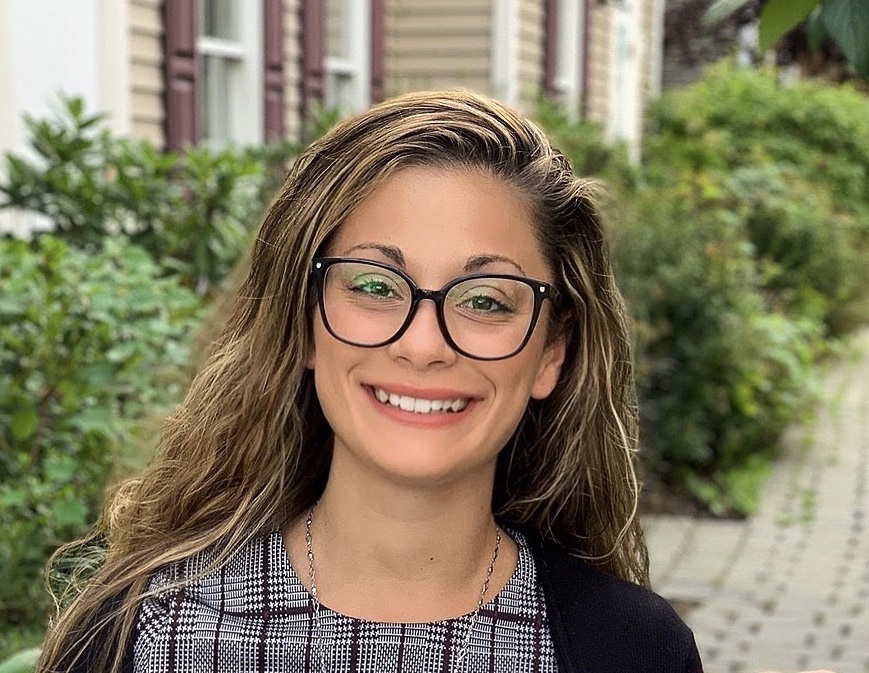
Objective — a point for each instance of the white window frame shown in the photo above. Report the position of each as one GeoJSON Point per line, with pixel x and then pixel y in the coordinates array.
{"type": "Point", "coordinates": [625, 105]}
{"type": "Point", "coordinates": [569, 55]}
{"type": "Point", "coordinates": [505, 50]}
{"type": "Point", "coordinates": [244, 100]}
{"type": "Point", "coordinates": [656, 73]}
{"type": "Point", "coordinates": [356, 66]}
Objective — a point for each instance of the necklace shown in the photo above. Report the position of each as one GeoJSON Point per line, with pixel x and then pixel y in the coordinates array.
{"type": "Point", "coordinates": [317, 630]}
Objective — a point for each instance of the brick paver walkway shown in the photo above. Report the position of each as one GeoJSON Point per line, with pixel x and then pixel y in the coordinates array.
{"type": "Point", "coordinates": [787, 590]}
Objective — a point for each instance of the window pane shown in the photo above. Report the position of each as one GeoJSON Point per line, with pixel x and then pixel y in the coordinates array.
{"type": "Point", "coordinates": [340, 92]}
{"type": "Point", "coordinates": [213, 96]}
{"type": "Point", "coordinates": [219, 18]}
{"type": "Point", "coordinates": [337, 29]}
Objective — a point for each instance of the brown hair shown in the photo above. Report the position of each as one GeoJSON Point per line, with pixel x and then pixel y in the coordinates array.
{"type": "Point", "coordinates": [248, 450]}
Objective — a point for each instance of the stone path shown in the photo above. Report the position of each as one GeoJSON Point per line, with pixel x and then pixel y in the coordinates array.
{"type": "Point", "coordinates": [787, 590]}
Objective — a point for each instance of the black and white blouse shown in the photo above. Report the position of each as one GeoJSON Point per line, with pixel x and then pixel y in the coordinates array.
{"type": "Point", "coordinates": [254, 614]}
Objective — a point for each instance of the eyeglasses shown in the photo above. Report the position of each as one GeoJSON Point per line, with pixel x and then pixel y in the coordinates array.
{"type": "Point", "coordinates": [482, 316]}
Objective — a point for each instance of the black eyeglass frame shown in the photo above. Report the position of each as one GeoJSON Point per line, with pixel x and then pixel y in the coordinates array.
{"type": "Point", "coordinates": [542, 290]}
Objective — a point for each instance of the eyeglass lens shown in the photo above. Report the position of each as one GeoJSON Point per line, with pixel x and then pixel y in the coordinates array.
{"type": "Point", "coordinates": [485, 317]}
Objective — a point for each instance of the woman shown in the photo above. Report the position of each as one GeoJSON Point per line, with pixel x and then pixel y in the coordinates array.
{"type": "Point", "coordinates": [411, 447]}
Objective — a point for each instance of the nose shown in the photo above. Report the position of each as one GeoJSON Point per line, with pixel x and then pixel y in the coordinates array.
{"type": "Point", "coordinates": [423, 343]}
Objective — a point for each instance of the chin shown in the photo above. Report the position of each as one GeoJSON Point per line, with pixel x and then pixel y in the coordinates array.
{"type": "Point", "coordinates": [423, 465]}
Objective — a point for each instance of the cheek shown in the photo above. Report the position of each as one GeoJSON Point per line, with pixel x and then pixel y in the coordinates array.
{"type": "Point", "coordinates": [514, 378]}
{"type": "Point", "coordinates": [330, 361]}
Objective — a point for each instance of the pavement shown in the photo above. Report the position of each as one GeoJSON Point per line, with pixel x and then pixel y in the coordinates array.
{"type": "Point", "coordinates": [788, 589]}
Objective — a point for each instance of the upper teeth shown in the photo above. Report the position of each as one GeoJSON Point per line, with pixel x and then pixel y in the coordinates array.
{"type": "Point", "coordinates": [419, 406]}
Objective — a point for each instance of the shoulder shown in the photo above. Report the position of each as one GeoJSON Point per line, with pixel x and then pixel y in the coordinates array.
{"type": "Point", "coordinates": [607, 623]}
{"type": "Point", "coordinates": [183, 594]}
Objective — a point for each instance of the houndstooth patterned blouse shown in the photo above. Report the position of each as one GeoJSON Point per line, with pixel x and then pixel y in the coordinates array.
{"type": "Point", "coordinates": [256, 615]}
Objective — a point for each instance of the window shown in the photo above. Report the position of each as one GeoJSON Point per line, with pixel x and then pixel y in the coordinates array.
{"type": "Point", "coordinates": [229, 45]}
{"type": "Point", "coordinates": [568, 57]}
{"type": "Point", "coordinates": [625, 106]}
{"type": "Point", "coordinates": [347, 55]}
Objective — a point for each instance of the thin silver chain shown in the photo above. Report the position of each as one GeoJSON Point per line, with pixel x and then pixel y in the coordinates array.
{"type": "Point", "coordinates": [317, 630]}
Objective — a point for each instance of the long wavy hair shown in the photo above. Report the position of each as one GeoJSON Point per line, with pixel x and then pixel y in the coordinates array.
{"type": "Point", "coordinates": [249, 448]}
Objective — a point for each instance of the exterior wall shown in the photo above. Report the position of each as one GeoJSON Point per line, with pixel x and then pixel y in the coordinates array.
{"type": "Point", "coordinates": [292, 68]}
{"type": "Point", "coordinates": [434, 44]}
{"type": "Point", "coordinates": [49, 47]}
{"type": "Point", "coordinates": [428, 44]}
{"type": "Point", "coordinates": [596, 106]}
{"type": "Point", "coordinates": [147, 108]}
{"type": "Point", "coordinates": [532, 40]}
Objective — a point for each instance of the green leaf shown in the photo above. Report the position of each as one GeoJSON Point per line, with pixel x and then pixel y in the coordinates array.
{"type": "Point", "coordinates": [75, 106]}
{"type": "Point", "coordinates": [847, 21]}
{"type": "Point", "coordinates": [70, 513]}
{"type": "Point", "coordinates": [720, 10]}
{"type": "Point", "coordinates": [23, 662]}
{"type": "Point", "coordinates": [780, 17]}
{"type": "Point", "coordinates": [93, 419]}
{"type": "Point", "coordinates": [23, 423]}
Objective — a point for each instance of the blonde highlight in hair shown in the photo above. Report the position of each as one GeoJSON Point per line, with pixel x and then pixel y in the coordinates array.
{"type": "Point", "coordinates": [248, 450]}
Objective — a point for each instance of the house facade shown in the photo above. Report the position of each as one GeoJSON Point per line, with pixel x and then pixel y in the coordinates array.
{"type": "Point", "coordinates": [190, 71]}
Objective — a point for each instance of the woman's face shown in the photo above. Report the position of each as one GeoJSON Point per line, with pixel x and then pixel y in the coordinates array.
{"type": "Point", "coordinates": [434, 221]}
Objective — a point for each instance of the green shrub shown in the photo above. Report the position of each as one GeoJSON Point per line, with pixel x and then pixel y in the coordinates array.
{"type": "Point", "coordinates": [806, 245]}
{"type": "Point", "coordinates": [737, 257]}
{"type": "Point", "coordinates": [89, 343]}
{"type": "Point", "coordinates": [193, 212]}
{"type": "Point", "coordinates": [720, 371]}
{"type": "Point", "coordinates": [737, 116]}
{"type": "Point", "coordinates": [808, 145]}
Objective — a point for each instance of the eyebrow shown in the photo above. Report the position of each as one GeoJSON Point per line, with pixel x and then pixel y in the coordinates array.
{"type": "Point", "coordinates": [473, 263]}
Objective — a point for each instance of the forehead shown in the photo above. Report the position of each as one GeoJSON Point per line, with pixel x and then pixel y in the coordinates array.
{"type": "Point", "coordinates": [440, 217]}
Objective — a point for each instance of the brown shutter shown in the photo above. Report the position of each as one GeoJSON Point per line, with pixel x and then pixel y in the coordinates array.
{"type": "Point", "coordinates": [179, 22]}
{"type": "Point", "coordinates": [550, 47]}
{"type": "Point", "coordinates": [273, 58]}
{"type": "Point", "coordinates": [313, 46]}
{"type": "Point", "coordinates": [378, 51]}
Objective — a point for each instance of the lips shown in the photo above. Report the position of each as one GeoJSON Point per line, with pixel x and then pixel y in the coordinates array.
{"type": "Point", "coordinates": [422, 393]}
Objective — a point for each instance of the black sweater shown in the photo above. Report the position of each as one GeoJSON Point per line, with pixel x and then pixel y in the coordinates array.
{"type": "Point", "coordinates": [603, 624]}
{"type": "Point", "coordinates": [599, 623]}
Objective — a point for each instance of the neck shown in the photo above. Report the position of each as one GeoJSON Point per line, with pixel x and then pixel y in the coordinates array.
{"type": "Point", "coordinates": [374, 528]}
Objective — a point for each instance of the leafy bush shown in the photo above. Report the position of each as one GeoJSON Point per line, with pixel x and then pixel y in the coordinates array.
{"type": "Point", "coordinates": [736, 117]}
{"type": "Point", "coordinates": [193, 212]}
{"type": "Point", "coordinates": [740, 244]}
{"type": "Point", "coordinates": [808, 144]}
{"type": "Point", "coordinates": [742, 248]}
{"type": "Point", "coordinates": [806, 245]}
{"type": "Point", "coordinates": [720, 373]}
{"type": "Point", "coordinates": [88, 344]}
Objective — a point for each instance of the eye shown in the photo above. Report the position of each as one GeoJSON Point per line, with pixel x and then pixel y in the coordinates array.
{"type": "Point", "coordinates": [373, 286]}
{"type": "Point", "coordinates": [482, 302]}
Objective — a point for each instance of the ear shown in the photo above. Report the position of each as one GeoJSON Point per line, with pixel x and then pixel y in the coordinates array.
{"type": "Point", "coordinates": [549, 369]}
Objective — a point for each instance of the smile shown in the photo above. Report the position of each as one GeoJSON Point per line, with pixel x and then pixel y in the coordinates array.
{"type": "Point", "coordinates": [419, 405]}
